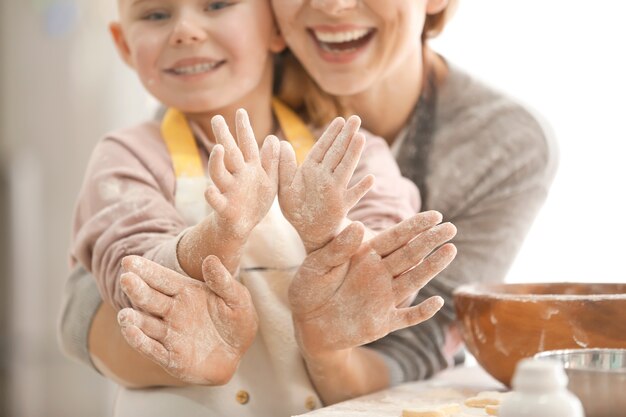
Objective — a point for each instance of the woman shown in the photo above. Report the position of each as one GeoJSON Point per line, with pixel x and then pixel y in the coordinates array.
{"type": "Point", "coordinates": [478, 158]}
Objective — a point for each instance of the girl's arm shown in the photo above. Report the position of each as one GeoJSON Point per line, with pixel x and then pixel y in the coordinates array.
{"type": "Point", "coordinates": [245, 181]}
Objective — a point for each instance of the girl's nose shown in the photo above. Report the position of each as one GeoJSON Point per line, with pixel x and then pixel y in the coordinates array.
{"type": "Point", "coordinates": [187, 32]}
{"type": "Point", "coordinates": [334, 6]}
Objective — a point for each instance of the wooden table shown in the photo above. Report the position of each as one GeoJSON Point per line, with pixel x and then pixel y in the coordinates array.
{"type": "Point", "coordinates": [451, 386]}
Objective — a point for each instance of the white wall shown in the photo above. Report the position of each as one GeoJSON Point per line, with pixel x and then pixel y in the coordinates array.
{"type": "Point", "coordinates": [566, 59]}
{"type": "Point", "coordinates": [62, 87]}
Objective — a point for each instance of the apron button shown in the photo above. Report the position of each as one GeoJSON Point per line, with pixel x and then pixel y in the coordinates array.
{"type": "Point", "coordinates": [243, 397]}
{"type": "Point", "coordinates": [310, 403]}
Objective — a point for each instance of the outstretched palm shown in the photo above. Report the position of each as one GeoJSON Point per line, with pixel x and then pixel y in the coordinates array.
{"type": "Point", "coordinates": [197, 331]}
{"type": "Point", "coordinates": [345, 294]}
{"type": "Point", "coordinates": [315, 197]}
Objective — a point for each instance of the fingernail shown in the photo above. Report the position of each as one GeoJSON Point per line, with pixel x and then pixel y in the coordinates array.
{"type": "Point", "coordinates": [124, 318]}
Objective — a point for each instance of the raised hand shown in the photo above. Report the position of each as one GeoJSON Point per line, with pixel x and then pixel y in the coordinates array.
{"type": "Point", "coordinates": [315, 197]}
{"type": "Point", "coordinates": [197, 331]}
{"type": "Point", "coordinates": [345, 294]}
{"type": "Point", "coordinates": [245, 180]}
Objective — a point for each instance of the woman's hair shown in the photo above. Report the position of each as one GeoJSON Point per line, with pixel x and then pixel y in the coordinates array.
{"type": "Point", "coordinates": [298, 90]}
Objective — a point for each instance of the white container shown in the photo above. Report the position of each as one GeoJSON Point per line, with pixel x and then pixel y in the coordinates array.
{"type": "Point", "coordinates": [540, 390]}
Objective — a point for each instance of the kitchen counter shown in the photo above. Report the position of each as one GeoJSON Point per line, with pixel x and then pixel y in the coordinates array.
{"type": "Point", "coordinates": [451, 386]}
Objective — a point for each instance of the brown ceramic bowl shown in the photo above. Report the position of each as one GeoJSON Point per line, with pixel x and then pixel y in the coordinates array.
{"type": "Point", "coordinates": [503, 323]}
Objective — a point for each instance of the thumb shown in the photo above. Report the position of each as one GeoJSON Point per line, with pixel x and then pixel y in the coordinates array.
{"type": "Point", "coordinates": [286, 167]}
{"type": "Point", "coordinates": [219, 280]}
{"type": "Point", "coordinates": [339, 250]}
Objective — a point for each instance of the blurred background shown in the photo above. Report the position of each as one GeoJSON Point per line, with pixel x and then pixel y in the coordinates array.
{"type": "Point", "coordinates": [62, 87]}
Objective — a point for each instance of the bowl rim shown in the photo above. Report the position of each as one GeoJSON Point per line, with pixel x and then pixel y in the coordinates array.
{"type": "Point", "coordinates": [546, 355]}
{"type": "Point", "coordinates": [481, 290]}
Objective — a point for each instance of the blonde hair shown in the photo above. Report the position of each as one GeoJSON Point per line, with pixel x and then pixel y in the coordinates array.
{"type": "Point", "coordinates": [299, 91]}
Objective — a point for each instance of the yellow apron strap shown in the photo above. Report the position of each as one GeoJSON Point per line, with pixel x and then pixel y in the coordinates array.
{"type": "Point", "coordinates": [183, 149]}
{"type": "Point", "coordinates": [296, 132]}
{"type": "Point", "coordinates": [181, 144]}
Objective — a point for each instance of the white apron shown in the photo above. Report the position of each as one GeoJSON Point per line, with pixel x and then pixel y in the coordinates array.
{"type": "Point", "coordinates": [271, 380]}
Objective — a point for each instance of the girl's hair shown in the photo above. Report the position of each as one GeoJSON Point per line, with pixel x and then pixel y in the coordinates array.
{"type": "Point", "coordinates": [298, 90]}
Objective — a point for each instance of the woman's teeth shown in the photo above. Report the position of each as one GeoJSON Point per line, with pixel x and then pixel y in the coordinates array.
{"type": "Point", "coordinates": [343, 42]}
{"type": "Point", "coordinates": [340, 37]}
{"type": "Point", "coordinates": [195, 69]}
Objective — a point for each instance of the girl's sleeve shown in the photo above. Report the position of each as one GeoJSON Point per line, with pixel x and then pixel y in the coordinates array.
{"type": "Point", "coordinates": [393, 197]}
{"type": "Point", "coordinates": [125, 207]}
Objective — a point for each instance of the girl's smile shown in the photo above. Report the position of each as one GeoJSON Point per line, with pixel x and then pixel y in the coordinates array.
{"type": "Point", "coordinates": [194, 69]}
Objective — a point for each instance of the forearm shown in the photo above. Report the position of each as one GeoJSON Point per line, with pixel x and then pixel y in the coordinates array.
{"type": "Point", "coordinates": [347, 374]}
{"type": "Point", "coordinates": [209, 238]}
{"type": "Point", "coordinates": [116, 360]}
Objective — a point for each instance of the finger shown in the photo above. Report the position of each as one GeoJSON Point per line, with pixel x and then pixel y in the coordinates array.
{"type": "Point", "coordinates": [416, 278]}
{"type": "Point", "coordinates": [217, 170]}
{"type": "Point", "coordinates": [287, 166]}
{"type": "Point", "coordinates": [150, 326]}
{"type": "Point", "coordinates": [144, 297]}
{"type": "Point", "coordinates": [339, 146]}
{"type": "Point", "coordinates": [216, 199]}
{"type": "Point", "coordinates": [270, 154]}
{"type": "Point", "coordinates": [413, 252]}
{"type": "Point", "coordinates": [350, 160]}
{"type": "Point", "coordinates": [317, 152]}
{"type": "Point", "coordinates": [156, 276]}
{"type": "Point", "coordinates": [154, 350]}
{"type": "Point", "coordinates": [407, 317]}
{"type": "Point", "coordinates": [245, 136]}
{"type": "Point", "coordinates": [356, 192]}
{"type": "Point", "coordinates": [397, 236]}
{"type": "Point", "coordinates": [339, 250]}
{"type": "Point", "coordinates": [219, 280]}
{"type": "Point", "coordinates": [232, 155]}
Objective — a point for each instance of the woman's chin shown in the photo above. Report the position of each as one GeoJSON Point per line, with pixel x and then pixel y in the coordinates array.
{"type": "Point", "coordinates": [344, 85]}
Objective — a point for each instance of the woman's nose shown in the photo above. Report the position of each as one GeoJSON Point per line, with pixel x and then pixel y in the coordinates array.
{"type": "Point", "coordinates": [187, 32]}
{"type": "Point", "coordinates": [334, 6]}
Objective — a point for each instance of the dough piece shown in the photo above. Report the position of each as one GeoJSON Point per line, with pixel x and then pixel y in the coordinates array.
{"type": "Point", "coordinates": [449, 409]}
{"type": "Point", "coordinates": [484, 399]}
{"type": "Point", "coordinates": [492, 410]}
{"type": "Point", "coordinates": [414, 412]}
{"type": "Point", "coordinates": [443, 410]}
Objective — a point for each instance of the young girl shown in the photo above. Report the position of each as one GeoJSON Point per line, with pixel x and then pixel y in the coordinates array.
{"type": "Point", "coordinates": [145, 186]}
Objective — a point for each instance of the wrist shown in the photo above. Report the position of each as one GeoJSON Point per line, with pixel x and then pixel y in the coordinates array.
{"type": "Point", "coordinates": [323, 362]}
{"type": "Point", "coordinates": [233, 233]}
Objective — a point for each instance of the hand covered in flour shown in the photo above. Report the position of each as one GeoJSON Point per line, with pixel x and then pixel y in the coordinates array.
{"type": "Point", "coordinates": [315, 197]}
{"type": "Point", "coordinates": [245, 180]}
{"type": "Point", "coordinates": [345, 294]}
{"type": "Point", "coordinates": [197, 331]}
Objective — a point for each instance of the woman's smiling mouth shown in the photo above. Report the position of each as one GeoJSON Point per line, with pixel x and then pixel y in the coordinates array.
{"type": "Point", "coordinates": [337, 40]}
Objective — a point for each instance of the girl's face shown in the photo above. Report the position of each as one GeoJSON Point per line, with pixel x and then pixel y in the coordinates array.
{"type": "Point", "coordinates": [349, 45]}
{"type": "Point", "coordinates": [198, 55]}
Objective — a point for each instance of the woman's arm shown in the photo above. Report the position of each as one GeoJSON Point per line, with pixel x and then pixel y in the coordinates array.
{"type": "Point", "coordinates": [115, 359]}
{"type": "Point", "coordinates": [491, 200]}
{"type": "Point", "coordinates": [89, 333]}
{"type": "Point", "coordinates": [346, 293]}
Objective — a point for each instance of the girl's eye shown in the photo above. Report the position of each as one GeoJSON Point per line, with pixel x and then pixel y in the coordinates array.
{"type": "Point", "coordinates": [156, 16]}
{"type": "Point", "coordinates": [218, 5]}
